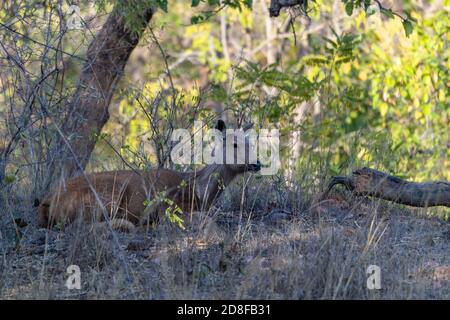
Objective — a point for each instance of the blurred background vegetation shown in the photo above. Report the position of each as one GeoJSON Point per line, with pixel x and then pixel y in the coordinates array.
{"type": "Point", "coordinates": [347, 87]}
{"type": "Point", "coordinates": [357, 90]}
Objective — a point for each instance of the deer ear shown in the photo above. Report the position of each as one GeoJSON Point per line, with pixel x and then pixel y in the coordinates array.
{"type": "Point", "coordinates": [220, 125]}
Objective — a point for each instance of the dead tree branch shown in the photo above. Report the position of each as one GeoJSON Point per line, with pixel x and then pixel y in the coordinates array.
{"type": "Point", "coordinates": [374, 183]}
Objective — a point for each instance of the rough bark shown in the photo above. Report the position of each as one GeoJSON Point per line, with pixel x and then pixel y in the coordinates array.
{"type": "Point", "coordinates": [88, 108]}
{"type": "Point", "coordinates": [374, 183]}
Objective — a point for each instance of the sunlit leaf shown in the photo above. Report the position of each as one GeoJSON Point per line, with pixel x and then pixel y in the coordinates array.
{"type": "Point", "coordinates": [408, 26]}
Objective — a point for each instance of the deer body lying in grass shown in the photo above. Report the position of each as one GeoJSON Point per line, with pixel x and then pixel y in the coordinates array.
{"type": "Point", "coordinates": [131, 197]}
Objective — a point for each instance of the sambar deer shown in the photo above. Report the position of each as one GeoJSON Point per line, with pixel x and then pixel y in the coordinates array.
{"type": "Point", "coordinates": [136, 197]}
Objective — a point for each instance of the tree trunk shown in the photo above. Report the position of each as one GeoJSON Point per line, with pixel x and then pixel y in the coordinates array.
{"type": "Point", "coordinates": [87, 111]}
{"type": "Point", "coordinates": [370, 182]}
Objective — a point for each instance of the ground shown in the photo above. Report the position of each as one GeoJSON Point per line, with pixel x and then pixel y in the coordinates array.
{"type": "Point", "coordinates": [315, 250]}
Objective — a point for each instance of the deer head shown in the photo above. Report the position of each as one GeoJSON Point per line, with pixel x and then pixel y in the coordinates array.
{"type": "Point", "coordinates": [238, 148]}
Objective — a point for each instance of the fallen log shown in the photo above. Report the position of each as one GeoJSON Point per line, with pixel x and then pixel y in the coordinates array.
{"type": "Point", "coordinates": [374, 183]}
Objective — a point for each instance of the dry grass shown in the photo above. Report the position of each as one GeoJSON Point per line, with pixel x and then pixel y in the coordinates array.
{"type": "Point", "coordinates": [273, 245]}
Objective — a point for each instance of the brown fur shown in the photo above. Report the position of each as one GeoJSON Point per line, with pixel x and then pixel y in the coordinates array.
{"type": "Point", "coordinates": [124, 193]}
{"type": "Point", "coordinates": [138, 196]}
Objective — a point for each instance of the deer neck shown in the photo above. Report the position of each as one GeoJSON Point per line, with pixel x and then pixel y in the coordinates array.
{"type": "Point", "coordinates": [210, 182]}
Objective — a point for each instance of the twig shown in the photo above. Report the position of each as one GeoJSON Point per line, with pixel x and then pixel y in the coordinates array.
{"type": "Point", "coordinates": [42, 44]}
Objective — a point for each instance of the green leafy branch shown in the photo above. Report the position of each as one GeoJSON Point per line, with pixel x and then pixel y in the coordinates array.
{"type": "Point", "coordinates": [367, 5]}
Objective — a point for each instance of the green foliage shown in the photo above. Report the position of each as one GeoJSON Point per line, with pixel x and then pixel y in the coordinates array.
{"type": "Point", "coordinates": [370, 8]}
{"type": "Point", "coordinates": [294, 88]}
{"type": "Point", "coordinates": [383, 102]}
{"type": "Point", "coordinates": [349, 7]}
{"type": "Point", "coordinates": [408, 26]}
{"type": "Point", "coordinates": [369, 95]}
{"type": "Point", "coordinates": [373, 103]}
{"type": "Point", "coordinates": [215, 6]}
{"type": "Point", "coordinates": [132, 10]}
{"type": "Point", "coordinates": [9, 179]}
{"type": "Point", "coordinates": [387, 97]}
{"type": "Point", "coordinates": [237, 4]}
{"type": "Point", "coordinates": [173, 213]}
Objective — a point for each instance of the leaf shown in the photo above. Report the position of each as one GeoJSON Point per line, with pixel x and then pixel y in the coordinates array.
{"type": "Point", "coordinates": [197, 19]}
{"type": "Point", "coordinates": [172, 214]}
{"type": "Point", "coordinates": [163, 5]}
{"type": "Point", "coordinates": [333, 44]}
{"type": "Point", "coordinates": [367, 4]}
{"type": "Point", "coordinates": [248, 3]}
{"type": "Point", "coordinates": [343, 60]}
{"type": "Point", "coordinates": [388, 13]}
{"type": "Point", "coordinates": [195, 3]}
{"type": "Point", "coordinates": [408, 26]}
{"type": "Point", "coordinates": [349, 8]}
{"type": "Point", "coordinates": [314, 60]}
